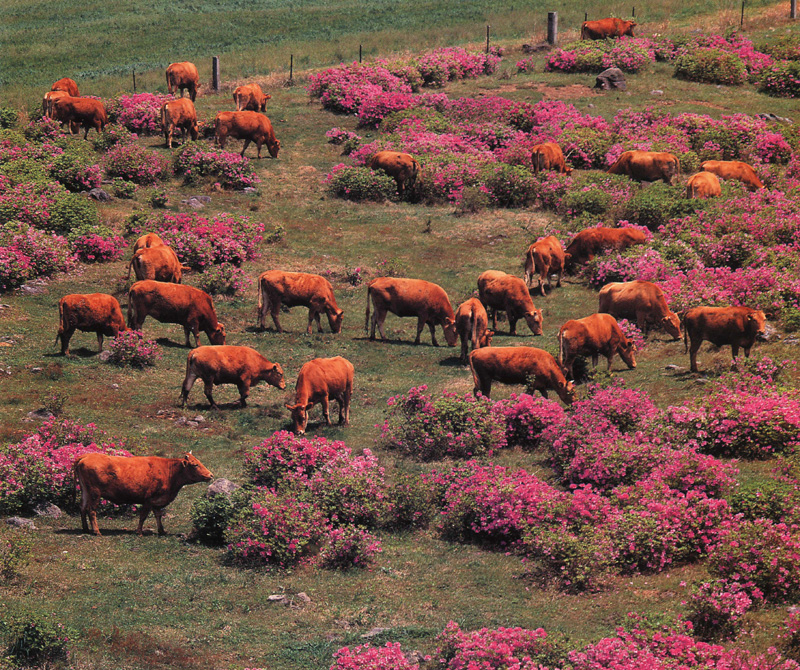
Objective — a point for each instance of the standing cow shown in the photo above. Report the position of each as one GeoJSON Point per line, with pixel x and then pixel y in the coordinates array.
{"type": "Point", "coordinates": [737, 170]}
{"type": "Point", "coordinates": [247, 126]}
{"type": "Point", "coordinates": [183, 76]}
{"type": "Point", "coordinates": [67, 85]}
{"type": "Point", "coordinates": [320, 381]}
{"type": "Point", "coordinates": [604, 28]}
{"type": "Point", "coordinates": [94, 312]}
{"type": "Point", "coordinates": [411, 297]}
{"type": "Point", "coordinates": [181, 114]}
{"type": "Point", "coordinates": [545, 257]}
{"type": "Point", "coordinates": [647, 166]}
{"type": "Point", "coordinates": [736, 326]}
{"type": "Point", "coordinates": [592, 241]}
{"type": "Point", "coordinates": [640, 300]}
{"type": "Point", "coordinates": [159, 262]}
{"type": "Point", "coordinates": [292, 289]}
{"type": "Point", "coordinates": [150, 482]}
{"type": "Point", "coordinates": [503, 292]}
{"type": "Point", "coordinates": [595, 335]}
{"type": "Point", "coordinates": [703, 185]}
{"type": "Point", "coordinates": [250, 97]}
{"type": "Point", "coordinates": [87, 113]}
{"type": "Point", "coordinates": [548, 156]}
{"type": "Point", "coordinates": [472, 326]}
{"type": "Point", "coordinates": [403, 168]}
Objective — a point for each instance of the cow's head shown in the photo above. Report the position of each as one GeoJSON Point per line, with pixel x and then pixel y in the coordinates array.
{"type": "Point", "coordinates": [335, 317]}
{"type": "Point", "coordinates": [264, 102]}
{"type": "Point", "coordinates": [757, 321]}
{"type": "Point", "coordinates": [534, 321]}
{"type": "Point", "coordinates": [567, 170]}
{"type": "Point", "coordinates": [274, 376]}
{"type": "Point", "coordinates": [630, 26]}
{"type": "Point", "coordinates": [627, 353]}
{"type": "Point", "coordinates": [299, 417]}
{"type": "Point", "coordinates": [486, 339]}
{"type": "Point", "coordinates": [217, 335]}
{"type": "Point", "coordinates": [671, 323]}
{"type": "Point", "coordinates": [566, 392]}
{"type": "Point", "coordinates": [450, 331]}
{"type": "Point", "coordinates": [273, 146]}
{"type": "Point", "coordinates": [195, 470]}
{"type": "Point", "coordinates": [569, 262]}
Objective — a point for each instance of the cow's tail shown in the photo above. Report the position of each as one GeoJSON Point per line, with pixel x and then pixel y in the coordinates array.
{"type": "Point", "coordinates": [62, 325]}
{"type": "Point", "coordinates": [561, 348]}
{"type": "Point", "coordinates": [260, 300]}
{"type": "Point", "coordinates": [366, 318]}
{"type": "Point", "coordinates": [76, 481]}
{"type": "Point", "coordinates": [584, 31]}
{"type": "Point", "coordinates": [163, 116]}
{"type": "Point", "coordinates": [474, 335]}
{"type": "Point", "coordinates": [533, 264]}
{"type": "Point", "coordinates": [131, 311]}
{"type": "Point", "coordinates": [685, 333]}
{"type": "Point", "coordinates": [475, 379]}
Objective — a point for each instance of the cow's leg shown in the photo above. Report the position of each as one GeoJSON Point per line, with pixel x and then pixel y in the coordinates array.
{"type": "Point", "coordinates": [595, 359]}
{"type": "Point", "coordinates": [642, 322]}
{"type": "Point", "coordinates": [143, 512]}
{"type": "Point", "coordinates": [319, 323]}
{"type": "Point", "coordinates": [188, 383]}
{"type": "Point", "coordinates": [494, 319]}
{"type": "Point", "coordinates": [262, 312]}
{"type": "Point", "coordinates": [208, 389]}
{"type": "Point", "coordinates": [379, 319]}
{"type": "Point", "coordinates": [100, 341]}
{"type": "Point", "coordinates": [609, 358]}
{"type": "Point", "coordinates": [464, 348]}
{"type": "Point", "coordinates": [747, 351]}
{"type": "Point", "coordinates": [275, 313]}
{"type": "Point", "coordinates": [158, 513]}
{"type": "Point", "coordinates": [543, 392]}
{"type": "Point", "coordinates": [541, 284]}
{"type": "Point", "coordinates": [186, 331]}
{"type": "Point", "coordinates": [420, 326]}
{"type": "Point", "coordinates": [326, 409]}
{"type": "Point", "coordinates": [93, 517]}
{"type": "Point", "coordinates": [694, 347]}
{"type": "Point", "coordinates": [432, 328]}
{"type": "Point", "coordinates": [244, 391]}
{"type": "Point", "coordinates": [734, 353]}
{"type": "Point", "coordinates": [244, 148]}
{"type": "Point", "coordinates": [372, 323]}
{"type": "Point", "coordinates": [512, 323]}
{"type": "Point", "coordinates": [86, 131]}
{"type": "Point", "coordinates": [340, 400]}
{"type": "Point", "coordinates": [170, 133]}
{"type": "Point", "coordinates": [258, 147]}
{"type": "Point", "coordinates": [346, 396]}
{"type": "Point", "coordinates": [66, 336]}
{"type": "Point", "coordinates": [558, 281]}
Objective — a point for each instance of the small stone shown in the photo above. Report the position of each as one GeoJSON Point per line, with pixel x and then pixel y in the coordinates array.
{"type": "Point", "coordinates": [162, 411]}
{"type": "Point", "coordinates": [770, 332]}
{"type": "Point", "coordinates": [590, 105]}
{"type": "Point", "coordinates": [104, 355]}
{"type": "Point", "coordinates": [221, 486]}
{"type": "Point", "coordinates": [304, 597]}
{"type": "Point", "coordinates": [115, 386]}
{"type": "Point", "coordinates": [19, 522]}
{"type": "Point", "coordinates": [373, 632]}
{"type": "Point", "coordinates": [656, 91]}
{"type": "Point", "coordinates": [99, 194]}
{"type": "Point", "coordinates": [205, 199]}
{"type": "Point", "coordinates": [673, 367]}
{"type": "Point", "coordinates": [249, 190]}
{"type": "Point", "coordinates": [276, 598]}
{"type": "Point", "coordinates": [36, 369]}
{"type": "Point", "coordinates": [181, 421]}
{"type": "Point", "coordinates": [41, 413]}
{"type": "Point", "coordinates": [199, 418]}
{"type": "Point", "coordinates": [192, 424]}
{"type": "Point", "coordinates": [48, 510]}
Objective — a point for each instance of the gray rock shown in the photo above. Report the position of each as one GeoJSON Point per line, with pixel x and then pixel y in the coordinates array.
{"type": "Point", "coordinates": [304, 597]}
{"type": "Point", "coordinates": [656, 91]}
{"type": "Point", "coordinates": [104, 355]}
{"type": "Point", "coordinates": [612, 78]}
{"type": "Point", "coordinates": [673, 367]}
{"type": "Point", "coordinates": [48, 510]}
{"type": "Point", "coordinates": [194, 203]}
{"type": "Point", "coordinates": [770, 332]}
{"type": "Point", "coordinates": [276, 598]}
{"type": "Point", "coordinates": [41, 413]}
{"type": "Point", "coordinates": [221, 486]}
{"type": "Point", "coordinates": [19, 522]}
{"type": "Point", "coordinates": [99, 194]}
{"type": "Point", "coordinates": [374, 632]}
{"type": "Point", "coordinates": [249, 190]}
{"type": "Point", "coordinates": [535, 48]}
{"type": "Point", "coordinates": [205, 199]}
{"type": "Point", "coordinates": [199, 418]}
{"type": "Point", "coordinates": [36, 369]}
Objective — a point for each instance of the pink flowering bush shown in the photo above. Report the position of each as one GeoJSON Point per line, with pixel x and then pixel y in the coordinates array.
{"type": "Point", "coordinates": [367, 657]}
{"type": "Point", "coordinates": [716, 608]}
{"type": "Point", "coordinates": [197, 162]}
{"type": "Point", "coordinates": [76, 172]}
{"type": "Point", "coordinates": [97, 248]}
{"type": "Point", "coordinates": [527, 416]}
{"type": "Point", "coordinates": [274, 530]}
{"type": "Point", "coordinates": [137, 164]}
{"type": "Point", "coordinates": [627, 54]}
{"type": "Point", "coordinates": [223, 279]}
{"type": "Point", "coordinates": [132, 348]}
{"type": "Point", "coordinates": [38, 468]}
{"type": "Point", "coordinates": [429, 428]}
{"type": "Point", "coordinates": [138, 113]}
{"type": "Point", "coordinates": [409, 504]}
{"type": "Point", "coordinates": [781, 79]}
{"type": "Point", "coordinates": [349, 547]}
{"type": "Point", "coordinates": [27, 253]}
{"type": "Point", "coordinates": [28, 202]}
{"type": "Point", "coordinates": [790, 639]}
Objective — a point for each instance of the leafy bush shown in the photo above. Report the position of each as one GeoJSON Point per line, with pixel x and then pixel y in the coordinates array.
{"type": "Point", "coordinates": [15, 549]}
{"type": "Point", "coordinates": [716, 608]}
{"type": "Point", "coordinates": [157, 197]}
{"type": "Point", "coordinates": [527, 416]}
{"type": "Point", "coordinates": [76, 172]}
{"type": "Point", "coordinates": [197, 161]}
{"type": "Point", "coordinates": [132, 348]}
{"type": "Point", "coordinates": [711, 66]}
{"type": "Point", "coordinates": [367, 657]}
{"type": "Point", "coordinates": [138, 113]}
{"type": "Point", "coordinates": [657, 204]}
{"type": "Point", "coordinates": [349, 547]}
{"type": "Point", "coordinates": [359, 183]}
{"type": "Point", "coordinates": [409, 504]}
{"type": "Point", "coordinates": [24, 170]}
{"type": "Point", "coordinates": [98, 249]}
{"type": "Point", "coordinates": [74, 215]}
{"type": "Point", "coordinates": [111, 136]}
{"type": "Point", "coordinates": [774, 500]}
{"type": "Point", "coordinates": [122, 188]}
{"type": "Point", "coordinates": [781, 80]}
{"type": "Point", "coordinates": [137, 164]}
{"type": "Point", "coordinates": [38, 254]}
{"type": "Point", "coordinates": [428, 428]}
{"type": "Point", "coordinates": [212, 516]}
{"type": "Point", "coordinates": [223, 279]}
{"type": "Point", "coordinates": [38, 641]}
{"type": "Point", "coordinates": [8, 117]}
{"type": "Point", "coordinates": [509, 185]}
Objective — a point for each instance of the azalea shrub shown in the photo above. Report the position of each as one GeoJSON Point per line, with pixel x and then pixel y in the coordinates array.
{"type": "Point", "coordinates": [223, 279]}
{"type": "Point", "coordinates": [138, 113]}
{"type": "Point", "coordinates": [367, 657]}
{"type": "Point", "coordinates": [349, 547]}
{"type": "Point", "coordinates": [716, 608]}
{"type": "Point", "coordinates": [136, 164]}
{"type": "Point", "coordinates": [27, 253]}
{"type": "Point", "coordinates": [627, 54]}
{"type": "Point", "coordinates": [781, 80]}
{"type": "Point", "coordinates": [409, 504]}
{"type": "Point", "coordinates": [76, 172]}
{"type": "Point", "coordinates": [212, 516]}
{"type": "Point", "coordinates": [711, 66]}
{"type": "Point", "coordinates": [198, 162]}
{"type": "Point", "coordinates": [360, 183]}
{"type": "Point", "coordinates": [130, 348]}
{"type": "Point", "coordinates": [97, 248]}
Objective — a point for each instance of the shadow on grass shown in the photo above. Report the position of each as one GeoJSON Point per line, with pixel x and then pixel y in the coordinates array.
{"type": "Point", "coordinates": [107, 532]}
{"type": "Point", "coordinates": [453, 362]}
{"type": "Point", "coordinates": [171, 344]}
{"type": "Point", "coordinates": [80, 352]}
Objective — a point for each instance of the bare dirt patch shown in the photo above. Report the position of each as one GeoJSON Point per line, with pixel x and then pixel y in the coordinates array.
{"type": "Point", "coordinates": [571, 92]}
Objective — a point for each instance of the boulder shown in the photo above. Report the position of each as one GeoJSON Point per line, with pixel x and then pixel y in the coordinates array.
{"type": "Point", "coordinates": [19, 522]}
{"type": "Point", "coordinates": [221, 487]}
{"type": "Point", "coordinates": [99, 194]}
{"type": "Point", "coordinates": [47, 509]}
{"type": "Point", "coordinates": [612, 78]}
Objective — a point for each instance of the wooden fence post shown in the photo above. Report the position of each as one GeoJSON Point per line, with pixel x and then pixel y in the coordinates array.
{"type": "Point", "coordinates": [741, 22]}
{"type": "Point", "coordinates": [552, 27]}
{"type": "Point", "coordinates": [487, 39]}
{"type": "Point", "coordinates": [793, 10]}
{"type": "Point", "coordinates": [215, 80]}
{"type": "Point", "coordinates": [134, 80]}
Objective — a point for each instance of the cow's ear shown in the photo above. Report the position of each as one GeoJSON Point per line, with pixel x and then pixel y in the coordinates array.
{"type": "Point", "coordinates": [309, 406]}
{"type": "Point", "coordinates": [751, 317]}
{"type": "Point", "coordinates": [288, 406]}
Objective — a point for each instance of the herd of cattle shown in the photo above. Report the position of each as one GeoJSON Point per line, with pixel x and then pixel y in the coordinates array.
{"type": "Point", "coordinates": [158, 292]}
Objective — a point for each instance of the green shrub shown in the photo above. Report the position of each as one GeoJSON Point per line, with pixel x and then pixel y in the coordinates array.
{"type": "Point", "coordinates": [431, 120]}
{"type": "Point", "coordinates": [785, 47]}
{"type": "Point", "coordinates": [593, 201]}
{"type": "Point", "coordinates": [157, 197]}
{"type": "Point", "coordinates": [25, 170]}
{"type": "Point", "coordinates": [773, 500]}
{"type": "Point", "coordinates": [510, 185]}
{"type": "Point", "coordinates": [38, 641]}
{"type": "Point", "coordinates": [658, 203]}
{"type": "Point", "coordinates": [711, 66]}
{"type": "Point", "coordinates": [410, 504]}
{"type": "Point", "coordinates": [791, 319]}
{"type": "Point", "coordinates": [359, 183]}
{"type": "Point", "coordinates": [111, 136]}
{"type": "Point", "coordinates": [212, 516]}
{"type": "Point", "coordinates": [689, 162]}
{"type": "Point", "coordinates": [781, 79]}
{"type": "Point", "coordinates": [587, 147]}
{"type": "Point", "coordinates": [123, 189]}
{"type": "Point", "coordinates": [8, 117]}
{"type": "Point", "coordinates": [75, 171]}
{"type": "Point", "coordinates": [74, 215]}
{"type": "Point", "coordinates": [15, 549]}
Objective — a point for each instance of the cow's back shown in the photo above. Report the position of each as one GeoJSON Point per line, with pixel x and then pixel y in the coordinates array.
{"type": "Point", "coordinates": [409, 297]}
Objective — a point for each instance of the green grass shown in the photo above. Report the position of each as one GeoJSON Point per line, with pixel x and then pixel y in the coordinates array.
{"type": "Point", "coordinates": [162, 603]}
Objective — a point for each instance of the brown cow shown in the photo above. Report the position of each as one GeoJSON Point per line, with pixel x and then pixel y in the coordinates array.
{"type": "Point", "coordinates": [501, 291]}
{"type": "Point", "coordinates": [734, 170]}
{"type": "Point", "coordinates": [250, 97]}
{"type": "Point", "coordinates": [144, 242]}
{"type": "Point", "coordinates": [403, 168]}
{"type": "Point", "coordinates": [548, 156]}
{"type": "Point", "coordinates": [160, 263]}
{"type": "Point", "coordinates": [320, 381]}
{"type": "Point", "coordinates": [181, 114]}
{"type": "Point", "coordinates": [47, 102]}
{"type": "Point", "coordinates": [247, 126]}
{"type": "Point", "coordinates": [647, 166]}
{"type": "Point", "coordinates": [411, 297]}
{"type": "Point", "coordinates": [183, 76]}
{"type": "Point", "coordinates": [175, 303]}
{"type": "Point", "coordinates": [605, 28]}
{"type": "Point", "coordinates": [83, 112]}
{"type": "Point", "coordinates": [293, 289]}
{"type": "Point", "coordinates": [148, 481]}
{"type": "Point", "coordinates": [519, 365]}
{"type": "Point", "coordinates": [592, 241]}
{"type": "Point", "coordinates": [737, 326]}
{"type": "Point", "coordinates": [545, 257]}
{"type": "Point", "coordinates": [471, 324]}
{"type": "Point", "coordinates": [703, 185]}
{"type": "Point", "coordinates": [591, 336]}
{"type": "Point", "coordinates": [640, 300]}
{"type": "Point", "coordinates": [93, 312]}
{"type": "Point", "coordinates": [227, 364]}
{"type": "Point", "coordinates": [66, 85]}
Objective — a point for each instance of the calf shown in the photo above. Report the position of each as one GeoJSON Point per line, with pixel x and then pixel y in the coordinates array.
{"type": "Point", "coordinates": [737, 170]}
{"type": "Point", "coordinates": [175, 303]}
{"type": "Point", "coordinates": [67, 85]}
{"type": "Point", "coordinates": [93, 312]}
{"type": "Point", "coordinates": [159, 262]}
{"type": "Point", "coordinates": [592, 241]}
{"type": "Point", "coordinates": [592, 336]}
{"type": "Point", "coordinates": [736, 326]}
{"type": "Point", "coordinates": [703, 185]}
{"type": "Point", "coordinates": [403, 168]}
{"type": "Point", "coordinates": [183, 76]}
{"type": "Point", "coordinates": [647, 166]}
{"type": "Point", "coordinates": [83, 112]}
{"type": "Point", "coordinates": [150, 482]}
{"type": "Point", "coordinates": [548, 156]}
{"type": "Point", "coordinates": [250, 97]}
{"type": "Point", "coordinates": [227, 364]}
{"type": "Point", "coordinates": [471, 325]}
{"type": "Point", "coordinates": [545, 257]}
{"type": "Point", "coordinates": [501, 291]}
{"type": "Point", "coordinates": [640, 300]}
{"type": "Point", "coordinates": [519, 365]}
{"type": "Point", "coordinates": [181, 114]}
{"type": "Point", "coordinates": [320, 381]}
{"type": "Point", "coordinates": [247, 126]}
{"type": "Point", "coordinates": [411, 297]}
{"type": "Point", "coordinates": [292, 289]}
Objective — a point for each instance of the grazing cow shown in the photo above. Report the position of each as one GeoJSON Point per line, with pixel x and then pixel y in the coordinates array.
{"type": "Point", "coordinates": [48, 101]}
{"type": "Point", "coordinates": [159, 263]}
{"type": "Point", "coordinates": [183, 76]}
{"type": "Point", "coordinates": [592, 241]}
{"type": "Point", "coordinates": [519, 365]}
{"type": "Point", "coordinates": [411, 297]}
{"type": "Point", "coordinates": [546, 258]}
{"type": "Point", "coordinates": [320, 381]}
{"type": "Point", "coordinates": [66, 85]}
{"type": "Point", "coordinates": [642, 301]}
{"type": "Point", "coordinates": [250, 97]}
{"type": "Point", "coordinates": [247, 126]}
{"type": "Point", "coordinates": [403, 168]}
{"type": "Point", "coordinates": [605, 28]}
{"type": "Point", "coordinates": [181, 114]}
{"type": "Point", "coordinates": [82, 112]}
{"type": "Point", "coordinates": [227, 364]}
{"type": "Point", "coordinates": [647, 166]}
{"type": "Point", "coordinates": [293, 289]}
{"type": "Point", "coordinates": [175, 303]}
{"type": "Point", "coordinates": [472, 326]}
{"type": "Point", "coordinates": [734, 170]}
{"type": "Point", "coordinates": [591, 336]}
{"type": "Point", "coordinates": [548, 156]}
{"type": "Point", "coordinates": [148, 481]}
{"type": "Point", "coordinates": [93, 312]}
{"type": "Point", "coordinates": [703, 185]}
{"type": "Point", "coordinates": [144, 242]}
{"type": "Point", "coordinates": [737, 326]}
{"type": "Point", "coordinates": [501, 291]}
